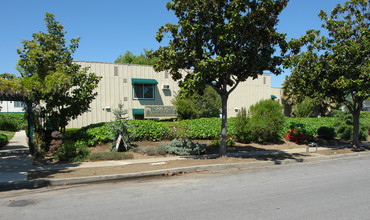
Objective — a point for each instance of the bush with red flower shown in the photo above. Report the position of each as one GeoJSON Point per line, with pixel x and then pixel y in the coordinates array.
{"type": "Point", "coordinates": [295, 136]}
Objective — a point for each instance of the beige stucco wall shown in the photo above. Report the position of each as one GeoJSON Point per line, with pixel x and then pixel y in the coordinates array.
{"type": "Point", "coordinates": [115, 87]}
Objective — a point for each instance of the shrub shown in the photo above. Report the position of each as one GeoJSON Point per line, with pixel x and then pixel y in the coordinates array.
{"type": "Point", "coordinates": [149, 150]}
{"type": "Point", "coordinates": [72, 151]}
{"type": "Point", "coordinates": [12, 121]}
{"type": "Point", "coordinates": [266, 120]}
{"type": "Point", "coordinates": [110, 156]}
{"type": "Point", "coordinates": [344, 128]}
{"type": "Point", "coordinates": [326, 132]}
{"type": "Point", "coordinates": [304, 109]}
{"type": "Point", "coordinates": [294, 136]}
{"type": "Point", "coordinates": [160, 149]}
{"type": "Point", "coordinates": [185, 109]}
{"type": "Point", "coordinates": [242, 128]}
{"type": "Point", "coordinates": [184, 147]}
{"type": "Point", "coordinates": [216, 143]}
{"type": "Point", "coordinates": [3, 140]}
{"type": "Point", "coordinates": [230, 142]}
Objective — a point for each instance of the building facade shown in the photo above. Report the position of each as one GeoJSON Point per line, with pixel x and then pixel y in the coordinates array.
{"type": "Point", "coordinates": [139, 86]}
{"type": "Point", "coordinates": [366, 106]}
{"type": "Point", "coordinates": [11, 106]}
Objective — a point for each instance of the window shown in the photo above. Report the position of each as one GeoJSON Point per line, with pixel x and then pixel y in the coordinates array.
{"type": "Point", "coordinates": [143, 88]}
{"type": "Point", "coordinates": [143, 91]}
{"type": "Point", "coordinates": [18, 104]}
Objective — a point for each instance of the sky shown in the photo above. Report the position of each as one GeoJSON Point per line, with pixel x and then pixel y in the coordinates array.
{"type": "Point", "coordinates": [109, 28]}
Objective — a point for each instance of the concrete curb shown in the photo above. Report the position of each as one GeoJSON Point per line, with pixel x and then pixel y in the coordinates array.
{"type": "Point", "coordinates": [213, 167]}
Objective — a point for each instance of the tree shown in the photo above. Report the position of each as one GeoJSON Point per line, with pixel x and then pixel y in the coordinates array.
{"type": "Point", "coordinates": [221, 43]}
{"type": "Point", "coordinates": [59, 88]}
{"type": "Point", "coordinates": [206, 105]}
{"type": "Point", "coordinates": [129, 58]}
{"type": "Point", "coordinates": [335, 66]}
{"type": "Point", "coordinates": [10, 84]}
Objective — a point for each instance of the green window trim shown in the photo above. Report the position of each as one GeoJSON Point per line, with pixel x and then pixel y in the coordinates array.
{"type": "Point", "coordinates": [144, 81]}
{"type": "Point", "coordinates": [138, 111]}
{"type": "Point", "coordinates": [143, 89]}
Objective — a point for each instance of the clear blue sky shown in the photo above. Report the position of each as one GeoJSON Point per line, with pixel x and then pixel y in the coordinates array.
{"type": "Point", "coordinates": [108, 28]}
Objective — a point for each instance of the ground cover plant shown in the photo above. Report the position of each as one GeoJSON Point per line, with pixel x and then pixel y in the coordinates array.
{"type": "Point", "coordinates": [110, 156]}
{"type": "Point", "coordinates": [195, 129]}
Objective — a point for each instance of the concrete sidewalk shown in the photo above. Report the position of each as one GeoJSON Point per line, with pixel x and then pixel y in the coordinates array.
{"type": "Point", "coordinates": [15, 163]}
{"type": "Point", "coordinates": [15, 160]}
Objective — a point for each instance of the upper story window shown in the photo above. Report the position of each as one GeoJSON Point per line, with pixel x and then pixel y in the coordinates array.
{"type": "Point", "coordinates": [143, 88]}
{"type": "Point", "coordinates": [143, 91]}
{"type": "Point", "coordinates": [18, 104]}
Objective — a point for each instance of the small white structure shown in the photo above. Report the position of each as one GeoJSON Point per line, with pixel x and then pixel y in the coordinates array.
{"type": "Point", "coordinates": [12, 106]}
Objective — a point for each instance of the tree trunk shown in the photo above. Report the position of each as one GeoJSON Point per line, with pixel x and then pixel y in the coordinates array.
{"type": "Point", "coordinates": [224, 98]}
{"type": "Point", "coordinates": [356, 127]}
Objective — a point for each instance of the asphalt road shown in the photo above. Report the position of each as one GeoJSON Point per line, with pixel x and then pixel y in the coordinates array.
{"type": "Point", "coordinates": [336, 189]}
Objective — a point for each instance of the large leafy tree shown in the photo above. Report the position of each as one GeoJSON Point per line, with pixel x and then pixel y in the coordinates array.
{"type": "Point", "coordinates": [221, 43]}
{"type": "Point", "coordinates": [335, 66]}
{"type": "Point", "coordinates": [59, 88]}
{"type": "Point", "coordinates": [142, 59]}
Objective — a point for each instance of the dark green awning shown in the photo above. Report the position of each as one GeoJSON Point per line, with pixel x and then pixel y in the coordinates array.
{"type": "Point", "coordinates": [144, 81]}
{"type": "Point", "coordinates": [138, 111]}
{"type": "Point", "coordinates": [273, 97]}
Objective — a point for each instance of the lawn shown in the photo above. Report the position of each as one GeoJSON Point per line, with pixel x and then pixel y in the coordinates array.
{"type": "Point", "coordinates": [9, 134]}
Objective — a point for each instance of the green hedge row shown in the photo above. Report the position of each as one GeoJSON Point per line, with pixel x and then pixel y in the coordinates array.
{"type": "Point", "coordinates": [12, 121]}
{"type": "Point", "coordinates": [205, 128]}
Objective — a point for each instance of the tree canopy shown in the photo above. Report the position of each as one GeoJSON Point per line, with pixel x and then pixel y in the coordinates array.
{"type": "Point", "coordinates": [59, 88]}
{"type": "Point", "coordinates": [221, 43]}
{"type": "Point", "coordinates": [335, 65]}
{"type": "Point", "coordinates": [142, 59]}
{"type": "Point", "coordinates": [10, 85]}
